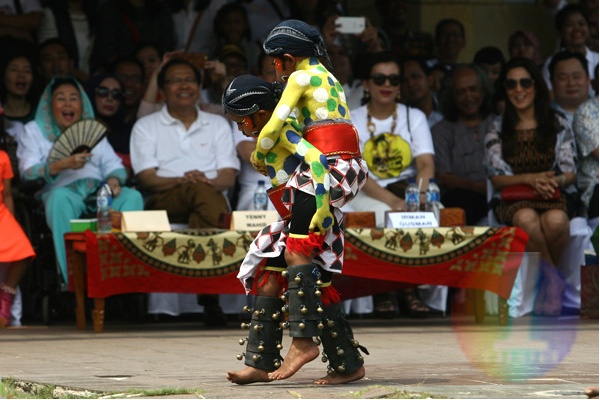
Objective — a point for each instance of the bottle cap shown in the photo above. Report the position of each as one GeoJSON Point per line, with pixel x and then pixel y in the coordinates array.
{"type": "Point", "coordinates": [431, 180]}
{"type": "Point", "coordinates": [412, 180]}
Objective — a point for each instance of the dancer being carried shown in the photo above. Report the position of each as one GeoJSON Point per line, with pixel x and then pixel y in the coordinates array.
{"type": "Point", "coordinates": [310, 239]}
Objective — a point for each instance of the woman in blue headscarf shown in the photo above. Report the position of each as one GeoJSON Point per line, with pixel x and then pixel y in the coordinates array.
{"type": "Point", "coordinates": [70, 182]}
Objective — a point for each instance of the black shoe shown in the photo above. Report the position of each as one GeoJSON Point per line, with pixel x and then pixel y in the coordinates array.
{"type": "Point", "coordinates": [214, 316]}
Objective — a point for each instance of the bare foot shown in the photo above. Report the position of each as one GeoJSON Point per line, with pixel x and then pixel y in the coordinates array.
{"type": "Point", "coordinates": [337, 378]}
{"type": "Point", "coordinates": [591, 392]}
{"type": "Point", "coordinates": [302, 351]}
{"type": "Point", "coordinates": [248, 375]}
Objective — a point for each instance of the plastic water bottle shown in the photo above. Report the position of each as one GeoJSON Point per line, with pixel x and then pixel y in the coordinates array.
{"type": "Point", "coordinates": [411, 196]}
{"type": "Point", "coordinates": [432, 198]}
{"type": "Point", "coordinates": [104, 202]}
{"type": "Point", "coordinates": [261, 199]}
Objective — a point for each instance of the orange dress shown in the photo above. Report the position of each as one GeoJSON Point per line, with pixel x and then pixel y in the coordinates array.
{"type": "Point", "coordinates": [14, 245]}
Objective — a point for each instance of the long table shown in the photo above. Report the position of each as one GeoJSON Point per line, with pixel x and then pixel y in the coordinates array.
{"type": "Point", "coordinates": [207, 262]}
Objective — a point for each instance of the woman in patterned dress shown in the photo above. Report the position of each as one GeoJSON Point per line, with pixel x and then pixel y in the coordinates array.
{"type": "Point", "coordinates": [531, 145]}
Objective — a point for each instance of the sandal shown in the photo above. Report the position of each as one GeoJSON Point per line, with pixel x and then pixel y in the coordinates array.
{"type": "Point", "coordinates": [414, 307]}
{"type": "Point", "coordinates": [385, 309]}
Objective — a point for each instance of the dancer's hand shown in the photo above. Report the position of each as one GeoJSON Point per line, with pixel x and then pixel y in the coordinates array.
{"type": "Point", "coordinates": [258, 165]}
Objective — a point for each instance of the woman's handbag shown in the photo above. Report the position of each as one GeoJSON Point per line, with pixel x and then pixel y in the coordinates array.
{"type": "Point", "coordinates": [525, 192]}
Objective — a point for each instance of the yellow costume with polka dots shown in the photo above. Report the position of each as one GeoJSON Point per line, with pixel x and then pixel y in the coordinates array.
{"type": "Point", "coordinates": [315, 96]}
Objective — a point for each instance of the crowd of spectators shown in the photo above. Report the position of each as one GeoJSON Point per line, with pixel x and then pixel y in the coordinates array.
{"type": "Point", "coordinates": [154, 72]}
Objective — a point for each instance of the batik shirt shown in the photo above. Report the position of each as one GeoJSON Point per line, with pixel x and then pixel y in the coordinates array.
{"type": "Point", "coordinates": [585, 127]}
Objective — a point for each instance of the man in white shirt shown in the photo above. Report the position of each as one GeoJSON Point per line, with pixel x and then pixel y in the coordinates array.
{"type": "Point", "coordinates": [185, 158]}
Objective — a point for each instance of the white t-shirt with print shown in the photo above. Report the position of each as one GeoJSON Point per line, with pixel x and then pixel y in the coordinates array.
{"type": "Point", "coordinates": [419, 136]}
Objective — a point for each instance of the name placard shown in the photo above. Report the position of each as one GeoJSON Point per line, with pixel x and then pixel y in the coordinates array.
{"type": "Point", "coordinates": [252, 220]}
{"type": "Point", "coordinates": [145, 221]}
{"type": "Point", "coordinates": [396, 219]}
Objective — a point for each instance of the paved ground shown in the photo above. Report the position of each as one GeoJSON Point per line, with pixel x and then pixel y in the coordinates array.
{"type": "Point", "coordinates": [445, 357]}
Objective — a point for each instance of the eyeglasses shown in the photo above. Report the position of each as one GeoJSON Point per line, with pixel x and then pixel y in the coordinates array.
{"type": "Point", "coordinates": [179, 81]}
{"type": "Point", "coordinates": [103, 91]}
{"type": "Point", "coordinates": [379, 79]}
{"type": "Point", "coordinates": [525, 83]}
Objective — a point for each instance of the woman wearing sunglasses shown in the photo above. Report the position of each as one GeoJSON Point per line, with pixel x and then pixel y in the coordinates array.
{"type": "Point", "coordinates": [533, 146]}
{"type": "Point", "coordinates": [396, 143]}
{"type": "Point", "coordinates": [107, 94]}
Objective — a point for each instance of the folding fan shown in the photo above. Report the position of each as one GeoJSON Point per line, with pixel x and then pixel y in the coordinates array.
{"type": "Point", "coordinates": [81, 136]}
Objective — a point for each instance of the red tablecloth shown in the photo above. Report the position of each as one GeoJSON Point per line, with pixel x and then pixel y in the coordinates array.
{"type": "Point", "coordinates": [207, 261]}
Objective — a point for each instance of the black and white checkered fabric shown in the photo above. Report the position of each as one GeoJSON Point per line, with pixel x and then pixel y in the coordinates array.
{"type": "Point", "coordinates": [347, 177]}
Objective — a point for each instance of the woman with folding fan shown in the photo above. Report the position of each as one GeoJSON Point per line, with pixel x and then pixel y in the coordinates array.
{"type": "Point", "coordinates": [74, 170]}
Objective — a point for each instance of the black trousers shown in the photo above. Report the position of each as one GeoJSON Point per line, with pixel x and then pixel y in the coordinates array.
{"type": "Point", "coordinates": [474, 203]}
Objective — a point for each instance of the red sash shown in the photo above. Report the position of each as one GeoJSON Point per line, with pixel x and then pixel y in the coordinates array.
{"type": "Point", "coordinates": [334, 138]}
{"type": "Point", "coordinates": [275, 196]}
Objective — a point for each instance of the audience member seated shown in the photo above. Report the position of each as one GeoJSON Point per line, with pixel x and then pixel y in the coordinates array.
{"type": "Point", "coordinates": [15, 248]}
{"type": "Point", "coordinates": [231, 26]}
{"type": "Point", "coordinates": [570, 81]}
{"type": "Point", "coordinates": [417, 89]}
{"type": "Point", "coordinates": [370, 40]}
{"type": "Point", "coordinates": [450, 40]}
{"type": "Point", "coordinates": [573, 27]}
{"type": "Point", "coordinates": [18, 87]}
{"type": "Point", "coordinates": [234, 59]}
{"type": "Point", "coordinates": [525, 44]}
{"type": "Point", "coordinates": [122, 25]}
{"type": "Point", "coordinates": [490, 59]}
{"type": "Point", "coordinates": [386, 127]}
{"type": "Point", "coordinates": [131, 73]}
{"type": "Point", "coordinates": [466, 102]}
{"type": "Point", "coordinates": [20, 18]}
{"type": "Point", "coordinates": [73, 21]}
{"type": "Point", "coordinates": [107, 95]}
{"type": "Point", "coordinates": [185, 158]}
{"type": "Point", "coordinates": [150, 55]}
{"type": "Point", "coordinates": [71, 183]}
{"type": "Point", "coordinates": [585, 128]}
{"type": "Point", "coordinates": [399, 38]}
{"type": "Point", "coordinates": [55, 60]}
{"type": "Point", "coordinates": [193, 24]}
{"type": "Point", "coordinates": [264, 15]}
{"type": "Point", "coordinates": [340, 61]}
{"type": "Point", "coordinates": [533, 146]}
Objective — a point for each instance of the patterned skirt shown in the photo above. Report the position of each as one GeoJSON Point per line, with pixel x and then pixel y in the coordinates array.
{"type": "Point", "coordinates": [347, 178]}
{"type": "Point", "coordinates": [506, 210]}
